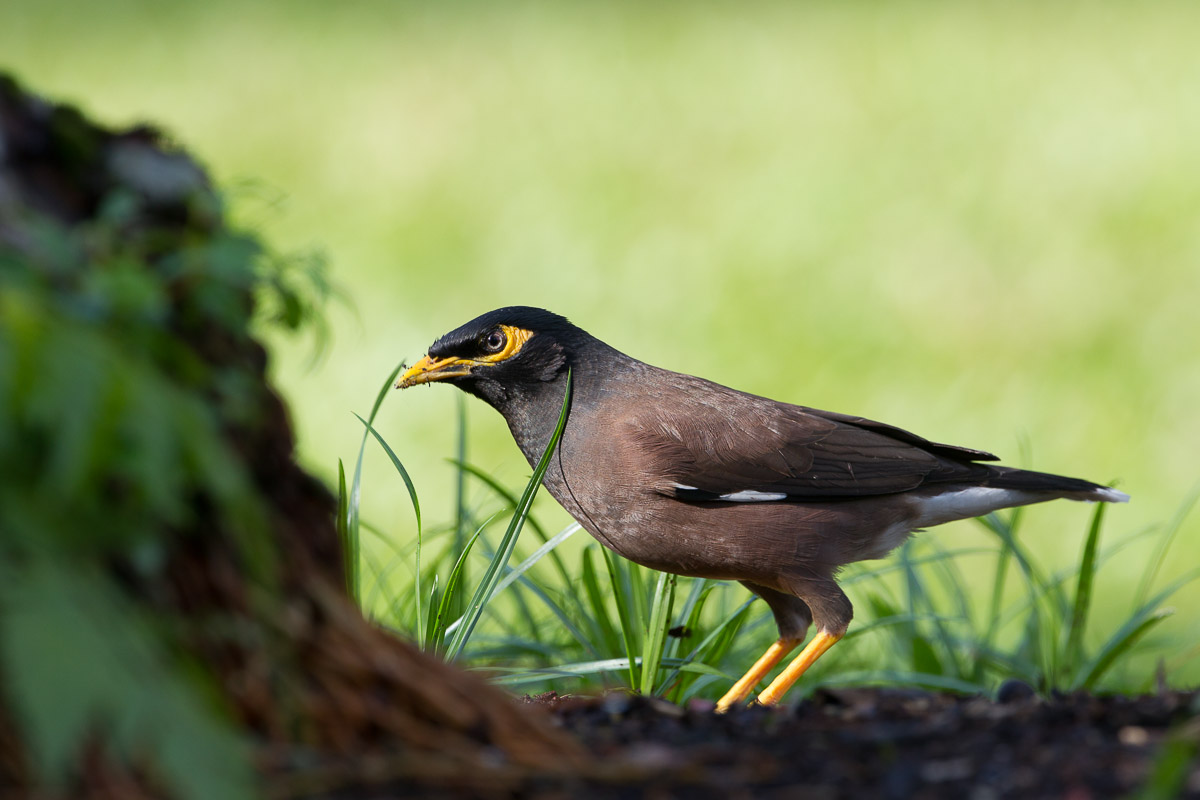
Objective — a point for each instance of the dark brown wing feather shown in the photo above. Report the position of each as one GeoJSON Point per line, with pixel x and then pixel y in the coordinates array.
{"type": "Point", "coordinates": [715, 441]}
{"type": "Point", "coordinates": [899, 434]}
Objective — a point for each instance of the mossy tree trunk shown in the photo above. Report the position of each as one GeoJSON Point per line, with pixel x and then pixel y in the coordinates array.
{"type": "Point", "coordinates": [157, 538]}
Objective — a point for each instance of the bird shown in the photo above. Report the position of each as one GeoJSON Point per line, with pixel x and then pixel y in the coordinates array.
{"type": "Point", "coordinates": [687, 476]}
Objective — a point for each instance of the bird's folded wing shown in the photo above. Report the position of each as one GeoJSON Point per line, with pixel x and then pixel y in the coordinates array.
{"type": "Point", "coordinates": [748, 449]}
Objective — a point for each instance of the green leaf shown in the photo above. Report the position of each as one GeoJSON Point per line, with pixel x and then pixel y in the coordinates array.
{"type": "Point", "coordinates": [77, 656]}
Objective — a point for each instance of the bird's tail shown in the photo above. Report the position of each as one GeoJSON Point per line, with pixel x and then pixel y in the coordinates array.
{"type": "Point", "coordinates": [1006, 487]}
{"type": "Point", "coordinates": [1053, 485]}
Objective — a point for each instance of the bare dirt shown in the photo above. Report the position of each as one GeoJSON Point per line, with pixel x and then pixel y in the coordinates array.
{"type": "Point", "coordinates": [871, 743]}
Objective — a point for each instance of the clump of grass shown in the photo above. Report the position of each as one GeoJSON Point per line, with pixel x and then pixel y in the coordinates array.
{"type": "Point", "coordinates": [570, 618]}
{"type": "Point", "coordinates": [433, 627]}
{"type": "Point", "coordinates": [965, 648]}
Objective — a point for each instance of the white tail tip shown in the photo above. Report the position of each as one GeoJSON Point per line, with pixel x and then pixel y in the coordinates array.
{"type": "Point", "coordinates": [1109, 495]}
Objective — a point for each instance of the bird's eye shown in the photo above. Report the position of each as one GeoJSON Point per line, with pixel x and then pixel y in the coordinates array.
{"type": "Point", "coordinates": [495, 341]}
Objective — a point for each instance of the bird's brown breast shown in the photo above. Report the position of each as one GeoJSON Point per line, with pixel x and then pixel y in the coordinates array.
{"type": "Point", "coordinates": [618, 483]}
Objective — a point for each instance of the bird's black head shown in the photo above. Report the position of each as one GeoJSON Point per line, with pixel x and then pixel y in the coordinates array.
{"type": "Point", "coordinates": [505, 353]}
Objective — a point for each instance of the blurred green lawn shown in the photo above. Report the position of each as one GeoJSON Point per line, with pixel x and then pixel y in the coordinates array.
{"type": "Point", "coordinates": [976, 221]}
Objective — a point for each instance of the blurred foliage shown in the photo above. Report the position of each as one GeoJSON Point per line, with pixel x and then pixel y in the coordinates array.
{"type": "Point", "coordinates": [106, 449]}
{"type": "Point", "coordinates": [122, 374]}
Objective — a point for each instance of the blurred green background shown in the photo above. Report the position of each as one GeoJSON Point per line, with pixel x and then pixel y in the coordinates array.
{"type": "Point", "coordinates": [975, 221]}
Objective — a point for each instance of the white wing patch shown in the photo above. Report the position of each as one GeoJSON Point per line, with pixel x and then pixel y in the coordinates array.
{"type": "Point", "coordinates": [751, 496]}
{"type": "Point", "coordinates": [744, 496]}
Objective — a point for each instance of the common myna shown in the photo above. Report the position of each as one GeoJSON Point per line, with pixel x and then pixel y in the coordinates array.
{"type": "Point", "coordinates": [684, 475]}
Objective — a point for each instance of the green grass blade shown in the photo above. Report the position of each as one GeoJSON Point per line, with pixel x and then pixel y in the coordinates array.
{"type": "Point", "coordinates": [497, 650]}
{"type": "Point", "coordinates": [718, 642]}
{"type": "Point", "coordinates": [512, 501]}
{"type": "Point", "coordinates": [460, 481]}
{"type": "Point", "coordinates": [1146, 617]}
{"type": "Point", "coordinates": [351, 546]}
{"type": "Point", "coordinates": [518, 574]}
{"type": "Point", "coordinates": [462, 521]}
{"type": "Point", "coordinates": [548, 548]}
{"type": "Point", "coordinates": [520, 613]}
{"type": "Point", "coordinates": [500, 489]}
{"type": "Point", "coordinates": [883, 609]}
{"type": "Point", "coordinates": [1006, 532]}
{"type": "Point", "coordinates": [923, 657]}
{"type": "Point", "coordinates": [491, 577]}
{"type": "Point", "coordinates": [999, 578]}
{"type": "Point", "coordinates": [418, 591]}
{"type": "Point", "coordinates": [524, 676]}
{"type": "Point", "coordinates": [625, 613]}
{"type": "Point", "coordinates": [1049, 607]}
{"type": "Point", "coordinates": [598, 619]}
{"type": "Point", "coordinates": [1121, 642]}
{"type": "Point", "coordinates": [639, 595]}
{"type": "Point", "coordinates": [408, 483]}
{"type": "Point", "coordinates": [857, 574]}
{"type": "Point", "coordinates": [655, 639]}
{"type": "Point", "coordinates": [561, 613]}
{"type": "Point", "coordinates": [888, 677]}
{"type": "Point", "coordinates": [1151, 574]}
{"type": "Point", "coordinates": [951, 577]}
{"type": "Point", "coordinates": [430, 624]}
{"type": "Point", "coordinates": [700, 590]}
{"type": "Point", "coordinates": [1083, 590]}
{"type": "Point", "coordinates": [441, 626]}
{"type": "Point", "coordinates": [352, 506]}
{"type": "Point", "coordinates": [398, 606]}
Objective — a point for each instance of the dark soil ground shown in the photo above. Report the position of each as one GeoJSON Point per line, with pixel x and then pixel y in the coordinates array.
{"type": "Point", "coordinates": [871, 743]}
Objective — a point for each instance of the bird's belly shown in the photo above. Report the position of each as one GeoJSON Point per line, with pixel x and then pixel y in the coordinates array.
{"type": "Point", "coordinates": [633, 528]}
{"type": "Point", "coordinates": [735, 543]}
{"type": "Point", "coordinates": [757, 542]}
{"type": "Point", "coordinates": [665, 550]}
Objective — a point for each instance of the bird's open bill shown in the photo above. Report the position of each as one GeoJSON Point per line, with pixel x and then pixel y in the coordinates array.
{"type": "Point", "coordinates": [775, 653]}
{"type": "Point", "coordinates": [433, 369]}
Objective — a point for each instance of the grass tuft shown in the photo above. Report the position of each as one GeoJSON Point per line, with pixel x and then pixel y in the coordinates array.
{"type": "Point", "coordinates": [572, 615]}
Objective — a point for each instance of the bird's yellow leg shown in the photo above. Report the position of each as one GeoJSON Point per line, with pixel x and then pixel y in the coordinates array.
{"type": "Point", "coordinates": [747, 682]}
{"type": "Point", "coordinates": [820, 643]}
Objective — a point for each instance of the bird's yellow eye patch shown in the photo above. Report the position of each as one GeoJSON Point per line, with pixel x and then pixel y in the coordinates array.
{"type": "Point", "coordinates": [504, 342]}
{"type": "Point", "coordinates": [499, 344]}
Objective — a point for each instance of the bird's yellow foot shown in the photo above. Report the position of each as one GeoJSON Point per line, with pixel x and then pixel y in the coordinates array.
{"type": "Point", "coordinates": [808, 656]}
{"type": "Point", "coordinates": [747, 682]}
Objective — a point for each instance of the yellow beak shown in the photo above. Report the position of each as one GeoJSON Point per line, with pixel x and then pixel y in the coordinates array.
{"type": "Point", "coordinates": [430, 369]}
